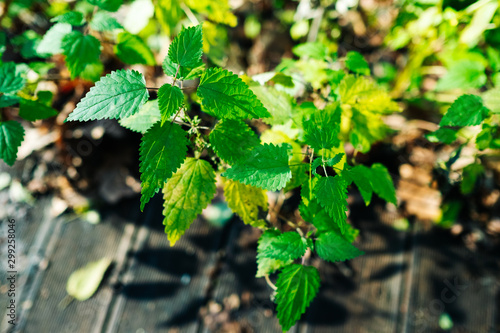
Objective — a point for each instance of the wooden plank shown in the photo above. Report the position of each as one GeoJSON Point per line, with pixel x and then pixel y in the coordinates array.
{"type": "Point", "coordinates": [450, 279]}
{"type": "Point", "coordinates": [363, 295]}
{"type": "Point", "coordinates": [165, 287]}
{"type": "Point", "coordinates": [244, 301]}
{"type": "Point", "coordinates": [33, 229]}
{"type": "Point", "coordinates": [77, 243]}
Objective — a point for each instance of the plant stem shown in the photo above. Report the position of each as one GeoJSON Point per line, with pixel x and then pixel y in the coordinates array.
{"type": "Point", "coordinates": [268, 280]}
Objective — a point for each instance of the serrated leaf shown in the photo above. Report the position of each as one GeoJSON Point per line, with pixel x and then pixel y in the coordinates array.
{"type": "Point", "coordinates": [233, 140]}
{"type": "Point", "coordinates": [142, 121]}
{"type": "Point", "coordinates": [356, 63]}
{"type": "Point", "coordinates": [11, 79]}
{"type": "Point", "coordinates": [83, 283]}
{"type": "Point", "coordinates": [186, 194]}
{"type": "Point", "coordinates": [335, 159]}
{"type": "Point", "coordinates": [51, 42]}
{"type": "Point", "coordinates": [11, 136]}
{"type": "Point", "coordinates": [182, 73]}
{"type": "Point", "coordinates": [34, 110]}
{"type": "Point", "coordinates": [71, 17]}
{"type": "Point", "coordinates": [332, 247]}
{"type": "Point", "coordinates": [363, 93]}
{"type": "Point", "coordinates": [463, 74]}
{"type": "Point", "coordinates": [297, 286]}
{"type": "Point", "coordinates": [186, 49]}
{"type": "Point", "coordinates": [224, 95]}
{"type": "Point", "coordinates": [8, 100]}
{"type": "Point", "coordinates": [132, 50]}
{"type": "Point", "coordinates": [102, 21]}
{"type": "Point", "coordinates": [109, 5]}
{"type": "Point", "coordinates": [361, 176]}
{"type": "Point", "coordinates": [315, 164]}
{"type": "Point", "coordinates": [285, 246]}
{"type": "Point", "coordinates": [382, 183]}
{"type": "Point", "coordinates": [170, 99]}
{"type": "Point", "coordinates": [277, 103]}
{"type": "Point", "coordinates": [246, 201]}
{"type": "Point", "coordinates": [115, 96]}
{"type": "Point", "coordinates": [331, 193]}
{"type": "Point", "coordinates": [162, 151]}
{"type": "Point", "coordinates": [80, 50]}
{"type": "Point", "coordinates": [322, 129]}
{"type": "Point", "coordinates": [443, 134]}
{"type": "Point", "coordinates": [266, 266]}
{"type": "Point", "coordinates": [466, 110]}
{"type": "Point", "coordinates": [266, 166]}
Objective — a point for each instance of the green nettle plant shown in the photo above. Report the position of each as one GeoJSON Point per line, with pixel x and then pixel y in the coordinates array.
{"type": "Point", "coordinates": [471, 121]}
{"type": "Point", "coordinates": [286, 156]}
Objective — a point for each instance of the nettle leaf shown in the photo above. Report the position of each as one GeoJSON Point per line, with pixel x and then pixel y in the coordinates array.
{"type": "Point", "coordinates": [335, 159]}
{"type": "Point", "coordinates": [80, 50]}
{"type": "Point", "coordinates": [11, 80]}
{"type": "Point", "coordinates": [162, 151]}
{"type": "Point", "coordinates": [463, 74]}
{"type": "Point", "coordinates": [182, 73]}
{"type": "Point", "coordinates": [51, 42]}
{"type": "Point", "coordinates": [362, 93]}
{"type": "Point", "coordinates": [104, 22]}
{"type": "Point", "coordinates": [331, 193]}
{"type": "Point", "coordinates": [286, 246]}
{"type": "Point", "coordinates": [115, 96]}
{"type": "Point", "coordinates": [170, 99]}
{"type": "Point", "coordinates": [361, 176]}
{"type": "Point", "coordinates": [34, 110]}
{"type": "Point", "coordinates": [278, 103]}
{"type": "Point", "coordinates": [109, 5]}
{"type": "Point", "coordinates": [187, 48]}
{"type": "Point", "coordinates": [224, 95]}
{"type": "Point", "coordinates": [266, 166]}
{"type": "Point", "coordinates": [322, 129]}
{"type": "Point", "coordinates": [315, 164]}
{"type": "Point", "coordinates": [333, 247]}
{"type": "Point", "coordinates": [265, 265]}
{"type": "Point", "coordinates": [233, 140]}
{"type": "Point", "coordinates": [11, 136]}
{"type": "Point", "coordinates": [132, 50]}
{"type": "Point", "coordinates": [186, 194]}
{"type": "Point", "coordinates": [382, 183]}
{"type": "Point", "coordinates": [443, 134]}
{"type": "Point", "coordinates": [466, 110]}
{"type": "Point", "coordinates": [297, 286]}
{"type": "Point", "coordinates": [355, 62]}
{"type": "Point", "coordinates": [246, 201]}
{"type": "Point", "coordinates": [8, 100]}
{"type": "Point", "coordinates": [142, 121]}
{"type": "Point", "coordinates": [72, 17]}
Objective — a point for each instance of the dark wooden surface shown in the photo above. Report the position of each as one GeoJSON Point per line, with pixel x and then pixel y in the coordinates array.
{"type": "Point", "coordinates": [206, 282]}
